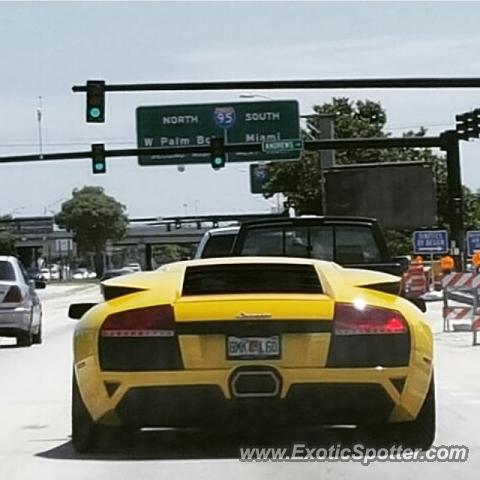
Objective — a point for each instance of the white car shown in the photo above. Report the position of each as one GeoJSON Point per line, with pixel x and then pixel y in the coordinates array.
{"type": "Point", "coordinates": [20, 308]}
{"type": "Point", "coordinates": [217, 242]}
{"type": "Point", "coordinates": [46, 273]}
{"type": "Point", "coordinates": [80, 274]}
{"type": "Point", "coordinates": [50, 274]}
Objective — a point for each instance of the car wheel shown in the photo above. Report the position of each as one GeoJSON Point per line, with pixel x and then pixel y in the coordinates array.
{"type": "Point", "coordinates": [88, 436]}
{"type": "Point", "coordinates": [37, 337]}
{"type": "Point", "coordinates": [24, 339]}
{"type": "Point", "coordinates": [419, 433]}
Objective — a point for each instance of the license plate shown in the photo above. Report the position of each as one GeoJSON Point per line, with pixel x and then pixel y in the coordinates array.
{"type": "Point", "coordinates": [253, 347]}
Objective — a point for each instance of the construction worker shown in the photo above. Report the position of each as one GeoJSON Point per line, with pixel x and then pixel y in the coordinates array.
{"type": "Point", "coordinates": [476, 261]}
{"type": "Point", "coordinates": [418, 260]}
{"type": "Point", "coordinates": [447, 264]}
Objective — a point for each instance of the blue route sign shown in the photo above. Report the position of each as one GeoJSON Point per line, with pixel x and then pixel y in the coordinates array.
{"type": "Point", "coordinates": [259, 176]}
{"type": "Point", "coordinates": [473, 242]}
{"type": "Point", "coordinates": [430, 241]}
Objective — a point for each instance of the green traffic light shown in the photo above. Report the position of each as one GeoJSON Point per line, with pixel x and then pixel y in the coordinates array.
{"type": "Point", "coordinates": [99, 167]}
{"type": "Point", "coordinates": [218, 161]}
{"type": "Point", "coordinates": [95, 112]}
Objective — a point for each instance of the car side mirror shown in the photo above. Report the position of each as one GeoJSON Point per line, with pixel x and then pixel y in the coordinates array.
{"type": "Point", "coordinates": [39, 284]}
{"type": "Point", "coordinates": [403, 261]}
{"type": "Point", "coordinates": [77, 310]}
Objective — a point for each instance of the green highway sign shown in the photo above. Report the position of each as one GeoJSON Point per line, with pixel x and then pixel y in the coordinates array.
{"type": "Point", "coordinates": [238, 122]}
{"type": "Point", "coordinates": [282, 146]}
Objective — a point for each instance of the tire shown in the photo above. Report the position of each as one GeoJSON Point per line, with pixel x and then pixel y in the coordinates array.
{"type": "Point", "coordinates": [419, 433]}
{"type": "Point", "coordinates": [24, 339]}
{"type": "Point", "coordinates": [88, 436]}
{"type": "Point", "coordinates": [37, 337]}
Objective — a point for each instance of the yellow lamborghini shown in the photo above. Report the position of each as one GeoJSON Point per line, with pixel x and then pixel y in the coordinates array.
{"type": "Point", "coordinates": [252, 341]}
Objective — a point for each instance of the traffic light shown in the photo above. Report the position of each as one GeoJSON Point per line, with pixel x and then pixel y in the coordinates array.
{"type": "Point", "coordinates": [99, 164]}
{"type": "Point", "coordinates": [95, 101]}
{"type": "Point", "coordinates": [468, 125]}
{"type": "Point", "coordinates": [217, 152]}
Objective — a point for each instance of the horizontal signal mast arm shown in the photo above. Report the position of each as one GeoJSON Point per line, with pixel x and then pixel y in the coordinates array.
{"type": "Point", "coordinates": [340, 83]}
{"type": "Point", "coordinates": [425, 142]}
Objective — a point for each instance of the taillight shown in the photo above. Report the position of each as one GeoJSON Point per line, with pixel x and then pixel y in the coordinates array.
{"type": "Point", "coordinates": [351, 319]}
{"type": "Point", "coordinates": [14, 295]}
{"type": "Point", "coordinates": [158, 321]}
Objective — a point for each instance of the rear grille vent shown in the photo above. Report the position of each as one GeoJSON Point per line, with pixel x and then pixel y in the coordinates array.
{"type": "Point", "coordinates": [251, 278]}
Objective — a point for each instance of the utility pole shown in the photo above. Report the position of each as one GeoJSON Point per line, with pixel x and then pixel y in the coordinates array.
{"type": "Point", "coordinates": [316, 132]}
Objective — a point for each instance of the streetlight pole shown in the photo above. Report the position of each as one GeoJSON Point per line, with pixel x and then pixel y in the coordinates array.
{"type": "Point", "coordinates": [39, 121]}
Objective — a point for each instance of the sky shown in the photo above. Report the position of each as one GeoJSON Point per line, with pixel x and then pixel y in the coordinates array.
{"type": "Point", "coordinates": [47, 47]}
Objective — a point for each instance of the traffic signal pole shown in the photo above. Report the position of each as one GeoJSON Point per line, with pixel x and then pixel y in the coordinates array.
{"type": "Point", "coordinates": [455, 195]}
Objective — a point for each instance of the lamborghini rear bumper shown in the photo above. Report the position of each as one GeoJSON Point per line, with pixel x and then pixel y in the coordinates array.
{"type": "Point", "coordinates": [191, 398]}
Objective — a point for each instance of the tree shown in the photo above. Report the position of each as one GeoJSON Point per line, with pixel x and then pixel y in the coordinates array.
{"type": "Point", "coordinates": [171, 253]}
{"type": "Point", "coordinates": [94, 218]}
{"type": "Point", "coordinates": [300, 181]}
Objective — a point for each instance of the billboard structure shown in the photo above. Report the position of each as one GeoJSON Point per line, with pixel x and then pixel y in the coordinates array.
{"type": "Point", "coordinates": [399, 195]}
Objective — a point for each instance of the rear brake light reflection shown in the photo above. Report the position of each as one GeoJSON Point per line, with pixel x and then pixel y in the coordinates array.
{"type": "Point", "coordinates": [350, 320]}
{"type": "Point", "coordinates": [158, 321]}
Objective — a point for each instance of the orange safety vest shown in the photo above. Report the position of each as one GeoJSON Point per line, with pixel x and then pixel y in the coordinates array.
{"type": "Point", "coordinates": [447, 263]}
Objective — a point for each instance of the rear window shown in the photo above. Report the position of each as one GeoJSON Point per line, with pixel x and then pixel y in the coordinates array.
{"type": "Point", "coordinates": [356, 245]}
{"type": "Point", "coordinates": [344, 244]}
{"type": "Point", "coordinates": [251, 278]}
{"type": "Point", "coordinates": [218, 246]}
{"type": "Point", "coordinates": [6, 271]}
